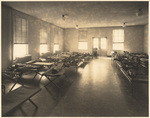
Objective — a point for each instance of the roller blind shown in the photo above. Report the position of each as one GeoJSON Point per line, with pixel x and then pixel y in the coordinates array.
{"type": "Point", "coordinates": [20, 30]}
{"type": "Point", "coordinates": [56, 35]}
{"type": "Point", "coordinates": [43, 36]}
{"type": "Point", "coordinates": [118, 35]}
{"type": "Point", "coordinates": [82, 35]}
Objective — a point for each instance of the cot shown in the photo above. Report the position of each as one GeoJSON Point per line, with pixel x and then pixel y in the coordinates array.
{"type": "Point", "coordinates": [16, 98]}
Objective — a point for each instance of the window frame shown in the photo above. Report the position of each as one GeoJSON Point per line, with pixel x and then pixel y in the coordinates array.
{"type": "Point", "coordinates": [118, 42]}
{"type": "Point", "coordinates": [98, 46]}
{"type": "Point", "coordinates": [40, 48]}
{"type": "Point", "coordinates": [105, 44]}
{"type": "Point", "coordinates": [27, 50]}
{"type": "Point", "coordinates": [22, 42]}
{"type": "Point", "coordinates": [43, 40]}
{"type": "Point", "coordinates": [54, 47]}
{"type": "Point", "coordinates": [82, 42]}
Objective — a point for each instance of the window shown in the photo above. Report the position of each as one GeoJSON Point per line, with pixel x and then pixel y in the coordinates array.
{"type": "Point", "coordinates": [20, 46]}
{"type": "Point", "coordinates": [56, 47]}
{"type": "Point", "coordinates": [43, 48]}
{"type": "Point", "coordinates": [118, 46]}
{"type": "Point", "coordinates": [82, 45]}
{"type": "Point", "coordinates": [43, 41]}
{"type": "Point", "coordinates": [96, 43]}
{"type": "Point", "coordinates": [103, 43]}
{"type": "Point", "coordinates": [118, 39]}
{"type": "Point", "coordinates": [20, 50]}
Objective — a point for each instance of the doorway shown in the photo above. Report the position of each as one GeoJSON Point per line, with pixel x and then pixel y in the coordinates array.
{"type": "Point", "coordinates": [96, 45]}
{"type": "Point", "coordinates": [99, 46]}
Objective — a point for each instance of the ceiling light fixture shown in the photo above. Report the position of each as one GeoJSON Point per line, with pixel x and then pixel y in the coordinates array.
{"type": "Point", "coordinates": [124, 24]}
{"type": "Point", "coordinates": [77, 27]}
{"type": "Point", "coordinates": [139, 12]}
{"type": "Point", "coordinates": [65, 16]}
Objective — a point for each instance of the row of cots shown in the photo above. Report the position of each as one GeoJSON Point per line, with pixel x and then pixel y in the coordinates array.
{"type": "Point", "coordinates": [52, 65]}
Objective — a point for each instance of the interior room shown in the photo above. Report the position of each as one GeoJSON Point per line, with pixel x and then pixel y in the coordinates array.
{"type": "Point", "coordinates": [74, 58]}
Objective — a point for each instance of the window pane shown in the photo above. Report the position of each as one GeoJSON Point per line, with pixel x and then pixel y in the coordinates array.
{"type": "Point", "coordinates": [96, 43]}
{"type": "Point", "coordinates": [43, 48]}
{"type": "Point", "coordinates": [82, 45]}
{"type": "Point", "coordinates": [24, 30]}
{"type": "Point", "coordinates": [20, 50]}
{"type": "Point", "coordinates": [17, 32]}
{"type": "Point", "coordinates": [82, 35]}
{"type": "Point", "coordinates": [103, 43]}
{"type": "Point", "coordinates": [118, 35]}
{"type": "Point", "coordinates": [118, 46]}
{"type": "Point", "coordinates": [56, 47]}
{"type": "Point", "coordinates": [43, 36]}
{"type": "Point", "coordinates": [20, 30]}
{"type": "Point", "coordinates": [18, 27]}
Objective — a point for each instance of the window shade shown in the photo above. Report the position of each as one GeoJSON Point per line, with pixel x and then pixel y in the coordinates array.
{"type": "Point", "coordinates": [82, 35]}
{"type": "Point", "coordinates": [43, 36]}
{"type": "Point", "coordinates": [20, 30]}
{"type": "Point", "coordinates": [56, 34]}
{"type": "Point", "coordinates": [118, 35]}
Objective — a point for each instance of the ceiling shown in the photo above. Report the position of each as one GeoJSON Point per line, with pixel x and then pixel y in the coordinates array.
{"type": "Point", "coordinates": [85, 14]}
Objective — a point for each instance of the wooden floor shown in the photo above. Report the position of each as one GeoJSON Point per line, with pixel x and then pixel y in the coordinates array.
{"type": "Point", "coordinates": [95, 90]}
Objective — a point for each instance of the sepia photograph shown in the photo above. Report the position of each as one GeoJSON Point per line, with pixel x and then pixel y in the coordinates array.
{"type": "Point", "coordinates": [74, 59]}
